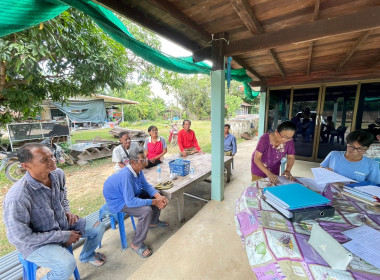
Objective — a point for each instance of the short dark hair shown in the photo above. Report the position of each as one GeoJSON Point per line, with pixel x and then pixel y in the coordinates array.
{"type": "Point", "coordinates": [24, 154]}
{"type": "Point", "coordinates": [364, 138]}
{"type": "Point", "coordinates": [151, 127]}
{"type": "Point", "coordinates": [227, 125]}
{"type": "Point", "coordinates": [122, 133]}
{"type": "Point", "coordinates": [183, 123]}
{"type": "Point", "coordinates": [287, 125]}
{"type": "Point", "coordinates": [329, 118]}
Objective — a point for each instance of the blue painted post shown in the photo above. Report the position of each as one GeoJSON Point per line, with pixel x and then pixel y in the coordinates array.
{"type": "Point", "coordinates": [217, 134]}
{"type": "Point", "coordinates": [263, 104]}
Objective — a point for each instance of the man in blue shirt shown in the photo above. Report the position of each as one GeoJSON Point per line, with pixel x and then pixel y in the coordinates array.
{"type": "Point", "coordinates": [229, 142]}
{"type": "Point", "coordinates": [129, 192]}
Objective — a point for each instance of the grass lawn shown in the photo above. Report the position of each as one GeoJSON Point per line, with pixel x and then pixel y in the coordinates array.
{"type": "Point", "coordinates": [84, 203]}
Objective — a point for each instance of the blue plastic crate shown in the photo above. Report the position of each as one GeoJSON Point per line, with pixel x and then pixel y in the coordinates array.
{"type": "Point", "coordinates": [181, 169]}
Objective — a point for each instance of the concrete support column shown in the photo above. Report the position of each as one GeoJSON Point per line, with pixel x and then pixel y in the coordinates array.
{"type": "Point", "coordinates": [217, 134]}
{"type": "Point", "coordinates": [263, 105]}
{"type": "Point", "coordinates": [122, 112]}
{"type": "Point", "coordinates": [217, 115]}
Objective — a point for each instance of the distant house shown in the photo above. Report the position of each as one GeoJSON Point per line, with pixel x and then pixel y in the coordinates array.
{"type": "Point", "coordinates": [244, 109]}
{"type": "Point", "coordinates": [86, 111]}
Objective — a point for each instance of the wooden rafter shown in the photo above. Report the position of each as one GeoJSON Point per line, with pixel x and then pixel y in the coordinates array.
{"type": "Point", "coordinates": [363, 36]}
{"type": "Point", "coordinates": [374, 61]}
{"type": "Point", "coordinates": [362, 20]}
{"type": "Point", "coordinates": [315, 17]}
{"type": "Point", "coordinates": [149, 23]}
{"type": "Point", "coordinates": [248, 68]}
{"type": "Point", "coordinates": [176, 13]}
{"type": "Point", "coordinates": [179, 15]}
{"type": "Point", "coordinates": [244, 11]}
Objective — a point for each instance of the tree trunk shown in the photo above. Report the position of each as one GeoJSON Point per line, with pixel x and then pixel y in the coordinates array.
{"type": "Point", "coordinates": [2, 77]}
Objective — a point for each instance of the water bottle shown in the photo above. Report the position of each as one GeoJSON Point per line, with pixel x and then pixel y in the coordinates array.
{"type": "Point", "coordinates": [191, 173]}
{"type": "Point", "coordinates": [158, 173]}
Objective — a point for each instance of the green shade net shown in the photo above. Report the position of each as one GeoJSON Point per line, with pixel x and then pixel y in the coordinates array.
{"type": "Point", "coordinates": [18, 15]}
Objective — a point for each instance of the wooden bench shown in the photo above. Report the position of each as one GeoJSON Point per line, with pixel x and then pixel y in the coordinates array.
{"type": "Point", "coordinates": [202, 168]}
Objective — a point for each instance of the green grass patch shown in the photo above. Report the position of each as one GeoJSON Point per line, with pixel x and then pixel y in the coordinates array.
{"type": "Point", "coordinates": [86, 203]}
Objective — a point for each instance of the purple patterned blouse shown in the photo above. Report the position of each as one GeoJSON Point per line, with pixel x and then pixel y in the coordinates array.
{"type": "Point", "coordinates": [271, 155]}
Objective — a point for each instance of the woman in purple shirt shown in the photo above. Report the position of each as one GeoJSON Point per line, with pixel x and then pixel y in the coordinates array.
{"type": "Point", "coordinates": [272, 147]}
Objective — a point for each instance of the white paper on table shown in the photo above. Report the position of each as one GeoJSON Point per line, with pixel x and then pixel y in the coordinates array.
{"type": "Point", "coordinates": [370, 189]}
{"type": "Point", "coordinates": [365, 244]}
{"type": "Point", "coordinates": [312, 184]}
{"type": "Point", "coordinates": [322, 175]}
{"type": "Point", "coordinates": [284, 180]}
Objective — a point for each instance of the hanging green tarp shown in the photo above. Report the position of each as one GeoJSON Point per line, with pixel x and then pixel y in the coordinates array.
{"type": "Point", "coordinates": [84, 111]}
{"type": "Point", "coordinates": [22, 14]}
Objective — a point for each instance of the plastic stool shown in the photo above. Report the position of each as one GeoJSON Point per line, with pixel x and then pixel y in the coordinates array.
{"type": "Point", "coordinates": [119, 217]}
{"type": "Point", "coordinates": [29, 268]}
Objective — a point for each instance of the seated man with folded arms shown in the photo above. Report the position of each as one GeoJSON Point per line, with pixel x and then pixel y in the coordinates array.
{"type": "Point", "coordinates": [230, 148]}
{"type": "Point", "coordinates": [120, 153]}
{"type": "Point", "coordinates": [129, 192]}
{"type": "Point", "coordinates": [38, 218]}
{"type": "Point", "coordinates": [187, 142]}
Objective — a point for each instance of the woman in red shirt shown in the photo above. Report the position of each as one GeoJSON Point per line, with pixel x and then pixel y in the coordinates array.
{"type": "Point", "coordinates": [155, 147]}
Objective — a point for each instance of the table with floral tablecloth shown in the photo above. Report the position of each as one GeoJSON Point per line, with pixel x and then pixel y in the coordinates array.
{"type": "Point", "coordinates": [279, 249]}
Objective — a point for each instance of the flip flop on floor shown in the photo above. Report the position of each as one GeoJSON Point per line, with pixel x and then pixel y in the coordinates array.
{"type": "Point", "coordinates": [160, 225]}
{"type": "Point", "coordinates": [98, 259]}
{"type": "Point", "coordinates": [100, 256]}
{"type": "Point", "coordinates": [140, 251]}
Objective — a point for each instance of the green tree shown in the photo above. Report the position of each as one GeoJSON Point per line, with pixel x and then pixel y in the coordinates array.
{"type": "Point", "coordinates": [67, 56]}
{"type": "Point", "coordinates": [194, 96]}
{"type": "Point", "coordinates": [233, 104]}
{"type": "Point", "coordinates": [150, 108]}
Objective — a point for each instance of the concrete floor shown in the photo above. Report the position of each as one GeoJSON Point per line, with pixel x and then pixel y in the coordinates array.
{"type": "Point", "coordinates": [206, 246]}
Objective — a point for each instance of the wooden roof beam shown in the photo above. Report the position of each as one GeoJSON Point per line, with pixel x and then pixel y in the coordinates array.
{"type": "Point", "coordinates": [178, 14]}
{"type": "Point", "coordinates": [315, 17]}
{"type": "Point", "coordinates": [361, 38]}
{"type": "Point", "coordinates": [147, 22]}
{"type": "Point", "coordinates": [244, 11]}
{"type": "Point", "coordinates": [362, 20]}
{"type": "Point", "coordinates": [374, 61]}
{"type": "Point", "coordinates": [249, 68]}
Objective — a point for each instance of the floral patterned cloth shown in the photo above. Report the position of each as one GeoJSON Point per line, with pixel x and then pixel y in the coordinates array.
{"type": "Point", "coordinates": [279, 249]}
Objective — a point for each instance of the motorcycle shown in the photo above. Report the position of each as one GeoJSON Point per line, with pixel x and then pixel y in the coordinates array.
{"type": "Point", "coordinates": [173, 135]}
{"type": "Point", "coordinates": [13, 168]}
{"type": "Point", "coordinates": [58, 152]}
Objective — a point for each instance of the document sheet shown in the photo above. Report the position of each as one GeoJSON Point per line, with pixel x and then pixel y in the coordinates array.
{"type": "Point", "coordinates": [324, 176]}
{"type": "Point", "coordinates": [365, 244]}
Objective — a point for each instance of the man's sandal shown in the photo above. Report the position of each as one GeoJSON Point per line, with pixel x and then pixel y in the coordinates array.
{"type": "Point", "coordinates": [140, 251]}
{"type": "Point", "coordinates": [160, 224]}
{"type": "Point", "coordinates": [98, 259]}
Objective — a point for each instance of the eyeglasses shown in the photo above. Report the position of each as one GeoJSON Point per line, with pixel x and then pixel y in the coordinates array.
{"type": "Point", "coordinates": [360, 150]}
{"type": "Point", "coordinates": [283, 137]}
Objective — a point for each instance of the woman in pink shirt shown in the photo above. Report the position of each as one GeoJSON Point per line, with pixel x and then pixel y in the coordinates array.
{"type": "Point", "coordinates": [270, 149]}
{"type": "Point", "coordinates": [155, 147]}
